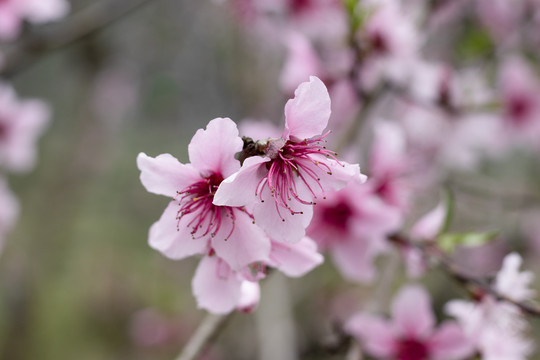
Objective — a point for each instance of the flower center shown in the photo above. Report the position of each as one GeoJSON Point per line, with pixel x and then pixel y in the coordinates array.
{"type": "Point", "coordinates": [519, 108]}
{"type": "Point", "coordinates": [4, 129]}
{"type": "Point", "coordinates": [197, 199]}
{"type": "Point", "coordinates": [379, 43]}
{"type": "Point", "coordinates": [411, 349]}
{"type": "Point", "coordinates": [294, 167]}
{"type": "Point", "coordinates": [298, 6]}
{"type": "Point", "coordinates": [337, 216]}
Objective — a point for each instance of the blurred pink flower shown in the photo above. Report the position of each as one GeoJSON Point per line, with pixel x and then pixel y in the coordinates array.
{"type": "Point", "coordinates": [520, 91]}
{"type": "Point", "coordinates": [497, 327]}
{"type": "Point", "coordinates": [393, 42]}
{"type": "Point", "coordinates": [9, 210]}
{"type": "Point", "coordinates": [281, 188]}
{"type": "Point", "coordinates": [13, 12]}
{"type": "Point", "coordinates": [192, 224]}
{"type": "Point", "coordinates": [411, 334]}
{"type": "Point", "coordinates": [21, 123]}
{"type": "Point", "coordinates": [220, 289]}
{"type": "Point", "coordinates": [352, 225]}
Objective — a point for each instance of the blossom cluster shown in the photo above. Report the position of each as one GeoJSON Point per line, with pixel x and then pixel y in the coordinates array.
{"type": "Point", "coordinates": [246, 218]}
{"type": "Point", "coordinates": [21, 121]}
{"type": "Point", "coordinates": [415, 113]}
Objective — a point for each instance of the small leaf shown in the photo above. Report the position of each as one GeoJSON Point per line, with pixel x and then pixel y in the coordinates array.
{"type": "Point", "coordinates": [449, 241]}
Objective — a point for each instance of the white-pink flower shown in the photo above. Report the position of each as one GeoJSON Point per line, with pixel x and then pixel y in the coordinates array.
{"type": "Point", "coordinates": [497, 328]}
{"type": "Point", "coordinates": [191, 223]}
{"type": "Point", "coordinates": [13, 12]}
{"type": "Point", "coordinates": [282, 187]}
{"type": "Point", "coordinates": [411, 333]}
{"type": "Point", "coordinates": [352, 224]}
{"type": "Point", "coordinates": [9, 210]}
{"type": "Point", "coordinates": [21, 123]}
{"type": "Point", "coordinates": [220, 289]}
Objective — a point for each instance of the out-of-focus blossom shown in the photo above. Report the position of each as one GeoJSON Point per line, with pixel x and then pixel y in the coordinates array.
{"type": "Point", "coordinates": [520, 91]}
{"type": "Point", "coordinates": [393, 42]}
{"type": "Point", "coordinates": [497, 328]}
{"type": "Point", "coordinates": [14, 12]}
{"type": "Point", "coordinates": [220, 289]}
{"type": "Point", "coordinates": [411, 333]}
{"type": "Point", "coordinates": [9, 210]}
{"type": "Point", "coordinates": [302, 62]}
{"type": "Point", "coordinates": [388, 165]}
{"type": "Point", "coordinates": [502, 18]}
{"type": "Point", "coordinates": [21, 123]}
{"type": "Point", "coordinates": [259, 130]}
{"type": "Point", "coordinates": [191, 224]}
{"type": "Point", "coordinates": [281, 188]}
{"type": "Point", "coordinates": [352, 224]}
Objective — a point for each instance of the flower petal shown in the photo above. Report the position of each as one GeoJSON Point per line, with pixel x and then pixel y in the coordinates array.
{"type": "Point", "coordinates": [448, 342]}
{"type": "Point", "coordinates": [307, 114]}
{"type": "Point", "coordinates": [376, 334]}
{"type": "Point", "coordinates": [215, 286]}
{"type": "Point", "coordinates": [282, 225]}
{"type": "Point", "coordinates": [250, 295]}
{"type": "Point", "coordinates": [246, 244]}
{"type": "Point", "coordinates": [174, 239]}
{"type": "Point", "coordinates": [239, 189]}
{"type": "Point", "coordinates": [212, 150]}
{"type": "Point", "coordinates": [429, 226]}
{"type": "Point", "coordinates": [412, 313]}
{"type": "Point", "coordinates": [355, 257]}
{"type": "Point", "coordinates": [295, 259]}
{"type": "Point", "coordinates": [164, 175]}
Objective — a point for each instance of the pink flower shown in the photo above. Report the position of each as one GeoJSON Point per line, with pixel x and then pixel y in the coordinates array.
{"type": "Point", "coordinates": [411, 334]}
{"type": "Point", "coordinates": [21, 123]}
{"type": "Point", "coordinates": [520, 89]}
{"type": "Point", "coordinates": [352, 224]}
{"type": "Point", "coordinates": [220, 289]}
{"type": "Point", "coordinates": [282, 187]}
{"type": "Point", "coordinates": [13, 12]}
{"type": "Point", "coordinates": [192, 224]}
{"type": "Point", "coordinates": [9, 209]}
{"type": "Point", "coordinates": [497, 327]}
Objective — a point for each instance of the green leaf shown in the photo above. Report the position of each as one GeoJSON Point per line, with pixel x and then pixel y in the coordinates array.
{"type": "Point", "coordinates": [449, 241]}
{"type": "Point", "coordinates": [449, 201]}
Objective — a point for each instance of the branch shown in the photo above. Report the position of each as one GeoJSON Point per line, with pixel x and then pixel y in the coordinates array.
{"type": "Point", "coordinates": [75, 28]}
{"type": "Point", "coordinates": [208, 330]}
{"type": "Point", "coordinates": [431, 252]}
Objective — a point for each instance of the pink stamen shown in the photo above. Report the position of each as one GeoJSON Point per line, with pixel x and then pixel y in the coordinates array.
{"type": "Point", "coordinates": [197, 199]}
{"type": "Point", "coordinates": [292, 163]}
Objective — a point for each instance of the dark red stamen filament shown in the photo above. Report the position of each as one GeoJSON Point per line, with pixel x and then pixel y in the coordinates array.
{"type": "Point", "coordinates": [295, 162]}
{"type": "Point", "coordinates": [197, 199]}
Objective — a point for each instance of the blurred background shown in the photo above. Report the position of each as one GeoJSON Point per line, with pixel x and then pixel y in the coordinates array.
{"type": "Point", "coordinates": [77, 277]}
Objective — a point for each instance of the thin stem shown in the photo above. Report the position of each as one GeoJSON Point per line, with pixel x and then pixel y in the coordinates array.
{"type": "Point", "coordinates": [75, 28]}
{"type": "Point", "coordinates": [208, 331]}
{"type": "Point", "coordinates": [431, 252]}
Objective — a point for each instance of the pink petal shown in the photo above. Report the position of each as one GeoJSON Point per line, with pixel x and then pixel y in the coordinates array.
{"type": "Point", "coordinates": [250, 294]}
{"type": "Point", "coordinates": [246, 244]}
{"type": "Point", "coordinates": [295, 259]}
{"type": "Point", "coordinates": [282, 226]}
{"type": "Point", "coordinates": [376, 334]}
{"type": "Point", "coordinates": [307, 114]}
{"type": "Point", "coordinates": [212, 151]}
{"type": "Point", "coordinates": [412, 313]}
{"type": "Point", "coordinates": [40, 11]}
{"type": "Point", "coordinates": [174, 239]}
{"type": "Point", "coordinates": [387, 154]}
{"type": "Point", "coordinates": [164, 175]}
{"type": "Point", "coordinates": [341, 173]}
{"type": "Point", "coordinates": [302, 61]}
{"type": "Point", "coordinates": [215, 286]}
{"type": "Point", "coordinates": [239, 188]}
{"type": "Point", "coordinates": [448, 343]}
{"type": "Point", "coordinates": [429, 226]}
{"type": "Point", "coordinates": [354, 257]}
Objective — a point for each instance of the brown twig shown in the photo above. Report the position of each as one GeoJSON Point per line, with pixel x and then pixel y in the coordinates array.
{"type": "Point", "coordinates": [78, 26]}
{"type": "Point", "coordinates": [433, 254]}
